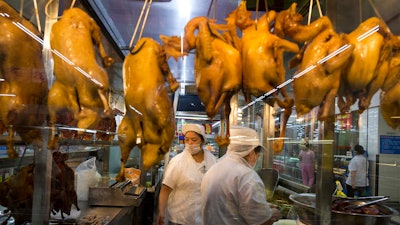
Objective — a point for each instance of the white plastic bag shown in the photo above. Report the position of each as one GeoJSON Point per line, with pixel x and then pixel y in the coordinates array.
{"type": "Point", "coordinates": [86, 176]}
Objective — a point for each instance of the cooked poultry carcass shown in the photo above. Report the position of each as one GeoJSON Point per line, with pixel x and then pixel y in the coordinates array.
{"type": "Point", "coordinates": [262, 54]}
{"type": "Point", "coordinates": [149, 120]}
{"type": "Point", "coordinates": [390, 106]}
{"type": "Point", "coordinates": [262, 59]}
{"type": "Point", "coordinates": [218, 68]}
{"type": "Point", "coordinates": [289, 23]}
{"type": "Point", "coordinates": [63, 194]}
{"type": "Point", "coordinates": [81, 85]}
{"type": "Point", "coordinates": [390, 102]}
{"type": "Point", "coordinates": [17, 195]}
{"type": "Point", "coordinates": [22, 69]}
{"type": "Point", "coordinates": [367, 68]}
{"type": "Point", "coordinates": [106, 128]}
{"type": "Point", "coordinates": [317, 81]}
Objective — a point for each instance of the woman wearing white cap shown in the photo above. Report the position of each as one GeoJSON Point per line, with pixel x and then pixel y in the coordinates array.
{"type": "Point", "coordinates": [179, 200]}
{"type": "Point", "coordinates": [232, 192]}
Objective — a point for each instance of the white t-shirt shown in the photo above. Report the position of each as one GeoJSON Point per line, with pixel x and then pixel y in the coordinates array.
{"type": "Point", "coordinates": [184, 176]}
{"type": "Point", "coordinates": [359, 164]}
{"type": "Point", "coordinates": [233, 194]}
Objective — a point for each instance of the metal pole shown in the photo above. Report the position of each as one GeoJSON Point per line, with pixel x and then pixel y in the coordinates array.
{"type": "Point", "coordinates": [325, 178]}
{"type": "Point", "coordinates": [42, 183]}
{"type": "Point", "coordinates": [43, 157]}
{"type": "Point", "coordinates": [268, 131]}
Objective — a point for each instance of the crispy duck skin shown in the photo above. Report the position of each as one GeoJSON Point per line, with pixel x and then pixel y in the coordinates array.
{"type": "Point", "coordinates": [22, 69]}
{"type": "Point", "coordinates": [390, 102]}
{"type": "Point", "coordinates": [149, 120]}
{"type": "Point", "coordinates": [368, 65]}
{"type": "Point", "coordinates": [262, 60]}
{"type": "Point", "coordinates": [218, 67]}
{"type": "Point", "coordinates": [319, 86]}
{"type": "Point", "coordinates": [288, 23]}
{"type": "Point", "coordinates": [17, 195]}
{"type": "Point", "coordinates": [63, 194]}
{"type": "Point", "coordinates": [77, 37]}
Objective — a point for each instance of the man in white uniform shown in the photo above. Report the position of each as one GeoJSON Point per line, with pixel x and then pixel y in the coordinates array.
{"type": "Point", "coordinates": [232, 192]}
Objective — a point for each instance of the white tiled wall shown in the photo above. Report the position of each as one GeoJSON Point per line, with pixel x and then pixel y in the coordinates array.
{"type": "Point", "coordinates": [389, 164]}
{"type": "Point", "coordinates": [389, 176]}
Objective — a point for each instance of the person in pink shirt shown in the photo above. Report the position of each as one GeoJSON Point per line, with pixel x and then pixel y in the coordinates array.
{"type": "Point", "coordinates": [306, 157]}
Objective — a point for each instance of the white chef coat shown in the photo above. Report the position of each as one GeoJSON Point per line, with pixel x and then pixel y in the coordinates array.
{"type": "Point", "coordinates": [184, 176]}
{"type": "Point", "coordinates": [233, 194]}
{"type": "Point", "coordinates": [359, 164]}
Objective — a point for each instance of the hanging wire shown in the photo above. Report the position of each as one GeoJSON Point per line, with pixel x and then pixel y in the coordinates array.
{"type": "Point", "coordinates": [309, 12]}
{"type": "Point", "coordinates": [266, 11]}
{"type": "Point", "coordinates": [376, 10]}
{"type": "Point", "coordinates": [377, 13]}
{"type": "Point", "coordinates": [319, 8]}
{"type": "Point", "coordinates": [72, 4]}
{"type": "Point", "coordinates": [212, 3]}
{"type": "Point", "coordinates": [215, 9]}
{"type": "Point", "coordinates": [209, 8]}
{"type": "Point", "coordinates": [360, 10]}
{"type": "Point", "coordinates": [146, 3]}
{"type": "Point", "coordinates": [145, 19]}
{"type": "Point", "coordinates": [22, 158]}
{"type": "Point", "coordinates": [37, 16]}
{"type": "Point", "coordinates": [21, 9]}
{"type": "Point", "coordinates": [256, 21]}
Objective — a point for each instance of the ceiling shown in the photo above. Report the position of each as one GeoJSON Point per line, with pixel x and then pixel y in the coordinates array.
{"type": "Point", "coordinates": [118, 19]}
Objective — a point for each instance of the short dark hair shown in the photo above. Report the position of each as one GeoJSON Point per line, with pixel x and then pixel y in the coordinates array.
{"type": "Point", "coordinates": [359, 149]}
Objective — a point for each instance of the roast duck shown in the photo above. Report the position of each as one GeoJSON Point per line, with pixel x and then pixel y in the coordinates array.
{"type": "Point", "coordinates": [317, 81]}
{"type": "Point", "coordinates": [149, 120]}
{"type": "Point", "coordinates": [217, 65]}
{"type": "Point", "coordinates": [17, 195]}
{"type": "Point", "coordinates": [263, 62]}
{"type": "Point", "coordinates": [288, 23]}
{"type": "Point", "coordinates": [217, 68]}
{"type": "Point", "coordinates": [17, 191]}
{"type": "Point", "coordinates": [79, 95]}
{"type": "Point", "coordinates": [368, 65]}
{"type": "Point", "coordinates": [63, 195]}
{"type": "Point", "coordinates": [390, 102]}
{"type": "Point", "coordinates": [24, 87]}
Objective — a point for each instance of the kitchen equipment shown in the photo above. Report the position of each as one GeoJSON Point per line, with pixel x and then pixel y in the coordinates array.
{"type": "Point", "coordinates": [117, 194]}
{"type": "Point", "coordinates": [270, 178]}
{"type": "Point", "coordinates": [359, 204]}
{"type": "Point", "coordinates": [304, 205]}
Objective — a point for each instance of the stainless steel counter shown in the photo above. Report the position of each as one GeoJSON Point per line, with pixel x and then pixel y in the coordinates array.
{"type": "Point", "coordinates": [109, 215]}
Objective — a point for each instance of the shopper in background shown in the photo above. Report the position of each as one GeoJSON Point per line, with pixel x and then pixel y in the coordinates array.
{"type": "Point", "coordinates": [232, 192]}
{"type": "Point", "coordinates": [179, 199]}
{"type": "Point", "coordinates": [357, 180]}
{"type": "Point", "coordinates": [307, 163]}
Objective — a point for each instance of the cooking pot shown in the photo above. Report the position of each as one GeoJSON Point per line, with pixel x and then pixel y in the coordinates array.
{"type": "Point", "coordinates": [304, 205]}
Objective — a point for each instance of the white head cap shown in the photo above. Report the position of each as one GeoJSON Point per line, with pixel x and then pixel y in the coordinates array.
{"type": "Point", "coordinates": [196, 128]}
{"type": "Point", "coordinates": [243, 140]}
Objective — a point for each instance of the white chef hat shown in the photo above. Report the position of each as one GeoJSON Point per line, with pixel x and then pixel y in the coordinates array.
{"type": "Point", "coordinates": [195, 128]}
{"type": "Point", "coordinates": [243, 140]}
